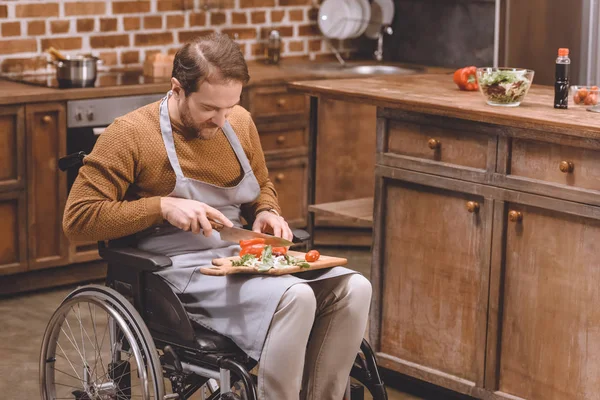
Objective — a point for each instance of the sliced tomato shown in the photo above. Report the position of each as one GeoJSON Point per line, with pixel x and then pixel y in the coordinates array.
{"type": "Point", "coordinates": [312, 256]}
{"type": "Point", "coordinates": [254, 249]}
{"type": "Point", "coordinates": [250, 242]}
{"type": "Point", "coordinates": [279, 251]}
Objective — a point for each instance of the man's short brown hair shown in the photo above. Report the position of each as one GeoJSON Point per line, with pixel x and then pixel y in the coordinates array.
{"type": "Point", "coordinates": [215, 56]}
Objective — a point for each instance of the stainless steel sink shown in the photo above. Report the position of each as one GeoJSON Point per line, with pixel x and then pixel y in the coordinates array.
{"type": "Point", "coordinates": [360, 69]}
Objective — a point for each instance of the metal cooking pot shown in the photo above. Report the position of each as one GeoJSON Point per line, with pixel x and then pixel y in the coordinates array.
{"type": "Point", "coordinates": [76, 71]}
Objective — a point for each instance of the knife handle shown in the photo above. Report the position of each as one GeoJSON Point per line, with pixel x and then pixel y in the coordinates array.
{"type": "Point", "coordinates": [216, 225]}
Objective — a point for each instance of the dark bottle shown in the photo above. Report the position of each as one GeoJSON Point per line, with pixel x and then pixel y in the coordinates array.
{"type": "Point", "coordinates": [561, 86]}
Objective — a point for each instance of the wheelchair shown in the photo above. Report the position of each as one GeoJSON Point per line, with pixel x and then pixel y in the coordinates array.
{"type": "Point", "coordinates": [132, 339]}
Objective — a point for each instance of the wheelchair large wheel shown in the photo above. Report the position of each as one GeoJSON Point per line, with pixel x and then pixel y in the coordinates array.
{"type": "Point", "coordinates": [96, 346]}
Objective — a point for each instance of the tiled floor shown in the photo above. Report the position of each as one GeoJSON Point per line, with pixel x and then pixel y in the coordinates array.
{"type": "Point", "coordinates": [24, 318]}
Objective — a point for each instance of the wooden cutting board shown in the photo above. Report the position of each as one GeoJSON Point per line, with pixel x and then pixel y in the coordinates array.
{"type": "Point", "coordinates": [222, 266]}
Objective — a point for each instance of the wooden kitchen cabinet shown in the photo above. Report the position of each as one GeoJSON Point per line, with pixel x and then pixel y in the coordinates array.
{"type": "Point", "coordinates": [12, 148]}
{"type": "Point", "coordinates": [13, 201]}
{"type": "Point", "coordinates": [485, 268]}
{"type": "Point", "coordinates": [548, 332]}
{"type": "Point", "coordinates": [290, 180]}
{"type": "Point", "coordinates": [46, 184]}
{"type": "Point", "coordinates": [435, 260]}
{"type": "Point", "coordinates": [13, 232]}
{"type": "Point", "coordinates": [281, 119]}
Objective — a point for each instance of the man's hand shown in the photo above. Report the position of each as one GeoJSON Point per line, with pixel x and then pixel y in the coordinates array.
{"type": "Point", "coordinates": [267, 222]}
{"type": "Point", "coordinates": [191, 215]}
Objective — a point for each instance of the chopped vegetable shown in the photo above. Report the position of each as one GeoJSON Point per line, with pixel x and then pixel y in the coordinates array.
{"type": "Point", "coordinates": [312, 256]}
{"type": "Point", "coordinates": [244, 243]}
{"type": "Point", "coordinates": [505, 86]}
{"type": "Point", "coordinates": [268, 259]}
{"type": "Point", "coordinates": [466, 78]}
{"type": "Point", "coordinates": [254, 249]}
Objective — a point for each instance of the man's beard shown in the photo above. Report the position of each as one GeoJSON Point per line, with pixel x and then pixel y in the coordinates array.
{"type": "Point", "coordinates": [204, 130]}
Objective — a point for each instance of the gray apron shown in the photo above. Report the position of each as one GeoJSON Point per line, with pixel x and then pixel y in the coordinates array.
{"type": "Point", "coordinates": [239, 306]}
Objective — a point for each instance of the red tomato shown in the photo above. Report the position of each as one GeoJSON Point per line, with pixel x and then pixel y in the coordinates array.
{"type": "Point", "coordinates": [279, 251]}
{"type": "Point", "coordinates": [250, 242]}
{"type": "Point", "coordinates": [312, 256]}
{"type": "Point", "coordinates": [582, 93]}
{"type": "Point", "coordinates": [576, 98]}
{"type": "Point", "coordinates": [591, 99]}
{"type": "Point", "coordinates": [254, 249]}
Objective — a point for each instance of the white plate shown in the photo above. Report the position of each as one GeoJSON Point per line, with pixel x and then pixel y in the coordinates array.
{"type": "Point", "coordinates": [331, 18]}
{"type": "Point", "coordinates": [355, 18]}
{"type": "Point", "coordinates": [382, 13]}
{"type": "Point", "coordinates": [366, 17]}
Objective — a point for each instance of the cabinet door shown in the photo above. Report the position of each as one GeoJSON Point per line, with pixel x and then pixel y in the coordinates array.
{"type": "Point", "coordinates": [12, 148]}
{"type": "Point", "coordinates": [345, 167]}
{"type": "Point", "coordinates": [289, 178]}
{"type": "Point", "coordinates": [13, 234]}
{"type": "Point", "coordinates": [550, 324]}
{"type": "Point", "coordinates": [46, 184]}
{"type": "Point", "coordinates": [435, 269]}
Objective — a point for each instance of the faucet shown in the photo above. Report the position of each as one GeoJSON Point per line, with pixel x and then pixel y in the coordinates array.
{"type": "Point", "coordinates": [379, 52]}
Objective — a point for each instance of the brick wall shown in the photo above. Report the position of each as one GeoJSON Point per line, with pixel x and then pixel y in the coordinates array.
{"type": "Point", "coordinates": [125, 32]}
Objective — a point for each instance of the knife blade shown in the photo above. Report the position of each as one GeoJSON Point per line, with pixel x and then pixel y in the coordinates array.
{"type": "Point", "coordinates": [233, 234]}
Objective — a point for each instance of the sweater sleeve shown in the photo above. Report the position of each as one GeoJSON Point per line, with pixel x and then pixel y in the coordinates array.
{"type": "Point", "coordinates": [96, 208]}
{"type": "Point", "coordinates": [268, 195]}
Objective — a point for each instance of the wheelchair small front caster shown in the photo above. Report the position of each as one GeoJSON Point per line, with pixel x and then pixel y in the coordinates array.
{"type": "Point", "coordinates": [230, 396]}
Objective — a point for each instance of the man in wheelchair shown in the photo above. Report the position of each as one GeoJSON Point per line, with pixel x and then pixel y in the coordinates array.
{"type": "Point", "coordinates": [160, 174]}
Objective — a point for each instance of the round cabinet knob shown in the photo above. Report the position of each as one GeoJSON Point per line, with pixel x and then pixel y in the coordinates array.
{"type": "Point", "coordinates": [472, 206]}
{"type": "Point", "coordinates": [46, 119]}
{"type": "Point", "coordinates": [279, 177]}
{"type": "Point", "coordinates": [280, 139]}
{"type": "Point", "coordinates": [281, 103]}
{"type": "Point", "coordinates": [566, 166]}
{"type": "Point", "coordinates": [515, 216]}
{"type": "Point", "coordinates": [433, 144]}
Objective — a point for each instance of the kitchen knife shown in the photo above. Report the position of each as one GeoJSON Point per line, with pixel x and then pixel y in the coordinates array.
{"type": "Point", "coordinates": [234, 234]}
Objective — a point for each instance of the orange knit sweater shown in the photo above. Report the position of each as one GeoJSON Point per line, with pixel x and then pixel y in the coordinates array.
{"type": "Point", "coordinates": [118, 189]}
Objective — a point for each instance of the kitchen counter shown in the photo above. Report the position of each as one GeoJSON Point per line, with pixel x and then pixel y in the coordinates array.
{"type": "Point", "coordinates": [486, 224]}
{"type": "Point", "coordinates": [437, 94]}
{"type": "Point", "coordinates": [260, 73]}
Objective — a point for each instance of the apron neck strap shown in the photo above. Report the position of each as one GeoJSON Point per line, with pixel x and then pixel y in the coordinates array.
{"type": "Point", "coordinates": [167, 134]}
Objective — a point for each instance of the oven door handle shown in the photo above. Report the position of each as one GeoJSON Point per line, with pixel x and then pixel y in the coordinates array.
{"type": "Point", "coordinates": [98, 131]}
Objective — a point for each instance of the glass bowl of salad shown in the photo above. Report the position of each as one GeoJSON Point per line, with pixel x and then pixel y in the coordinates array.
{"type": "Point", "coordinates": [585, 95]}
{"type": "Point", "coordinates": [504, 86]}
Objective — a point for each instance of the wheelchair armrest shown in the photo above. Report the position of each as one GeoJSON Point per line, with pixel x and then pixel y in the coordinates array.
{"type": "Point", "coordinates": [300, 235]}
{"type": "Point", "coordinates": [132, 257]}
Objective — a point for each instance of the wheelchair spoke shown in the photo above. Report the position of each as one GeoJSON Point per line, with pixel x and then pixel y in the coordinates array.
{"type": "Point", "coordinates": [69, 361]}
{"type": "Point", "coordinates": [81, 331]}
{"type": "Point", "coordinates": [63, 372]}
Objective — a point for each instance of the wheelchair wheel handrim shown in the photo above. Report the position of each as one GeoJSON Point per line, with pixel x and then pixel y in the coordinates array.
{"type": "Point", "coordinates": [94, 348]}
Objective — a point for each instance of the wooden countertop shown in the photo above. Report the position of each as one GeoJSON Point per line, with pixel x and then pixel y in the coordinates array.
{"type": "Point", "coordinates": [260, 73]}
{"type": "Point", "coordinates": [437, 94]}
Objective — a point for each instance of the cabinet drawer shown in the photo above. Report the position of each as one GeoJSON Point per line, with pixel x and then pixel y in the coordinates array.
{"type": "Point", "coordinates": [283, 140]}
{"type": "Point", "coordinates": [565, 165]}
{"type": "Point", "coordinates": [12, 148]}
{"type": "Point", "coordinates": [447, 144]}
{"type": "Point", "coordinates": [272, 101]}
{"type": "Point", "coordinates": [289, 178]}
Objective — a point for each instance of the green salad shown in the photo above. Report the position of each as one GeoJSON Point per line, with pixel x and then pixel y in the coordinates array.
{"type": "Point", "coordinates": [504, 87]}
{"type": "Point", "coordinates": [268, 260]}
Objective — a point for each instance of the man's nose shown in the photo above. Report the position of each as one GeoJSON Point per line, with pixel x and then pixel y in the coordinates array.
{"type": "Point", "coordinates": [219, 118]}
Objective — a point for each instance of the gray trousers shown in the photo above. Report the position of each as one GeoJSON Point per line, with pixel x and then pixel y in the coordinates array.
{"type": "Point", "coordinates": [313, 339]}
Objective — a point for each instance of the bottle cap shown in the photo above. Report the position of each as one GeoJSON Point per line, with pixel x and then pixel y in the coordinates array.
{"type": "Point", "coordinates": [563, 52]}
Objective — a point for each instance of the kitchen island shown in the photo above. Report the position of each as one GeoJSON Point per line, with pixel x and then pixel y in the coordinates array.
{"type": "Point", "coordinates": [486, 237]}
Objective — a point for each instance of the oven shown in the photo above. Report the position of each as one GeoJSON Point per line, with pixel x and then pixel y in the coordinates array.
{"type": "Point", "coordinates": [87, 119]}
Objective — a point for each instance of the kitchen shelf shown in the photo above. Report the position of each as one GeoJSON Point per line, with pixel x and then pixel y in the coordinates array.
{"type": "Point", "coordinates": [355, 210]}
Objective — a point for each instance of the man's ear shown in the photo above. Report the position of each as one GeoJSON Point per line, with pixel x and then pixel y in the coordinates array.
{"type": "Point", "coordinates": [176, 87]}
